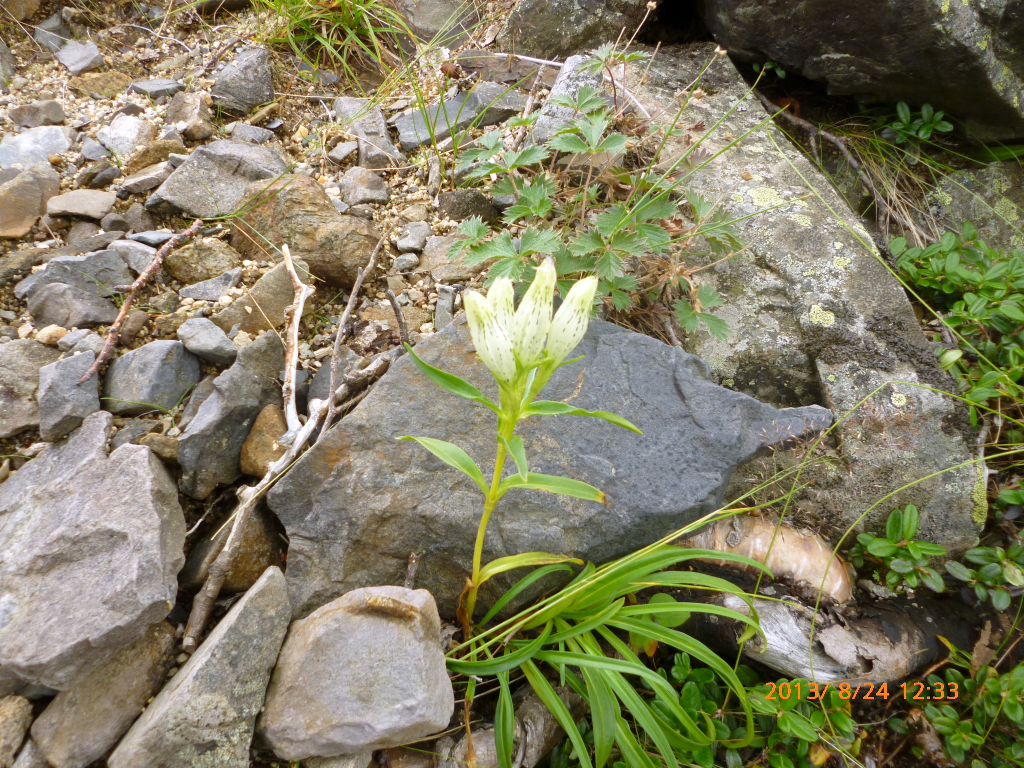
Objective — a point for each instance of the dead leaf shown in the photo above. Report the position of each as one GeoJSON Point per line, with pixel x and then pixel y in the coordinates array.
{"type": "Point", "coordinates": [746, 175]}
{"type": "Point", "coordinates": [981, 653]}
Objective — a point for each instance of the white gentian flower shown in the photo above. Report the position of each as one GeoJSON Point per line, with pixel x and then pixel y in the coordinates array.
{"type": "Point", "coordinates": [500, 297]}
{"type": "Point", "coordinates": [572, 319]}
{"type": "Point", "coordinates": [491, 341]}
{"type": "Point", "coordinates": [533, 318]}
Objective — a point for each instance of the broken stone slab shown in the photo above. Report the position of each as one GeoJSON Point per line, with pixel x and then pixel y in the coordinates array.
{"type": "Point", "coordinates": [137, 256]}
{"type": "Point", "coordinates": [83, 722]}
{"type": "Point", "coordinates": [97, 274]}
{"type": "Point", "coordinates": [341, 151]}
{"type": "Point", "coordinates": [80, 57]}
{"type": "Point", "coordinates": [70, 307]}
{"type": "Point", "coordinates": [213, 180]}
{"type": "Point", "coordinates": [446, 20]}
{"type": "Point", "coordinates": [125, 134]}
{"type": "Point", "coordinates": [263, 306]}
{"type": "Point", "coordinates": [157, 87]}
{"type": "Point", "coordinates": [214, 288]}
{"type": "Point", "coordinates": [251, 133]}
{"type": "Point", "coordinates": [82, 203]}
{"type": "Point", "coordinates": [487, 104]}
{"type": "Point", "coordinates": [20, 361]}
{"type": "Point", "coordinates": [209, 448]}
{"type": "Point", "coordinates": [156, 376]}
{"type": "Point", "coordinates": [245, 82]}
{"type": "Point", "coordinates": [148, 178]}
{"type": "Point", "coordinates": [120, 533]}
{"type": "Point", "coordinates": [191, 115]}
{"type": "Point", "coordinates": [554, 29]}
{"type": "Point", "coordinates": [152, 238]}
{"type": "Point", "coordinates": [51, 33]}
{"type": "Point", "coordinates": [360, 185]}
{"type": "Point", "coordinates": [63, 404]}
{"type": "Point", "coordinates": [554, 117]}
{"type": "Point", "coordinates": [355, 524]}
{"type": "Point", "coordinates": [296, 210]}
{"type": "Point", "coordinates": [48, 112]}
{"type": "Point", "coordinates": [207, 713]}
{"type": "Point", "coordinates": [367, 124]}
{"type": "Point", "coordinates": [412, 238]}
{"type": "Point", "coordinates": [208, 342]}
{"type": "Point", "coordinates": [816, 316]}
{"type": "Point", "coordinates": [462, 204]}
{"type": "Point", "coordinates": [363, 672]}
{"type": "Point", "coordinates": [434, 261]}
{"type": "Point", "coordinates": [23, 199]}
{"type": "Point", "coordinates": [35, 145]}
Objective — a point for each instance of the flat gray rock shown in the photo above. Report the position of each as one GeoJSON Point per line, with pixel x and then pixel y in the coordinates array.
{"type": "Point", "coordinates": [148, 178]}
{"type": "Point", "coordinates": [80, 57]}
{"type": "Point", "coordinates": [154, 238]}
{"type": "Point", "coordinates": [23, 199]}
{"type": "Point", "coordinates": [487, 104]}
{"type": "Point", "coordinates": [214, 288]}
{"type": "Point", "coordinates": [20, 361]}
{"type": "Point", "coordinates": [93, 150]}
{"type": "Point", "coordinates": [153, 377]}
{"type": "Point", "coordinates": [83, 203]}
{"type": "Point", "coordinates": [367, 123]}
{"type": "Point", "coordinates": [34, 145]}
{"type": "Point", "coordinates": [364, 672]}
{"type": "Point", "coordinates": [413, 238]}
{"type": "Point", "coordinates": [70, 307]}
{"type": "Point", "coordinates": [206, 715]}
{"type": "Point", "coordinates": [63, 404]}
{"type": "Point", "coordinates": [342, 151]}
{"type": "Point", "coordinates": [48, 112]}
{"type": "Point", "coordinates": [137, 256]}
{"type": "Point", "coordinates": [51, 33]}
{"type": "Point", "coordinates": [82, 723]}
{"type": "Point", "coordinates": [209, 448]}
{"type": "Point", "coordinates": [212, 181]}
{"type": "Point", "coordinates": [359, 501]}
{"type": "Point", "coordinates": [554, 117]}
{"type": "Point", "coordinates": [125, 134]}
{"type": "Point", "coordinates": [251, 133]}
{"type": "Point", "coordinates": [245, 82]}
{"type": "Point", "coordinates": [97, 274]}
{"type": "Point", "coordinates": [208, 342]}
{"type": "Point", "coordinates": [157, 87]}
{"type": "Point", "coordinates": [360, 185]}
{"type": "Point", "coordinates": [119, 531]}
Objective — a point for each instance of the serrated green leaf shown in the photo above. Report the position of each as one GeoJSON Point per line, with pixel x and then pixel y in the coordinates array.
{"type": "Point", "coordinates": [567, 142]}
{"type": "Point", "coordinates": [709, 297]}
{"type": "Point", "coordinates": [717, 327]}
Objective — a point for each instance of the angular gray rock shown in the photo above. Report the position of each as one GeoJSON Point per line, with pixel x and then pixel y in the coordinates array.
{"type": "Point", "coordinates": [97, 274]}
{"type": "Point", "coordinates": [191, 115]}
{"type": "Point", "coordinates": [157, 87]}
{"type": "Point", "coordinates": [990, 196]}
{"type": "Point", "coordinates": [413, 237]}
{"type": "Point", "coordinates": [6, 65]}
{"type": "Point", "coordinates": [263, 306]}
{"type": "Point", "coordinates": [553, 117]}
{"type": "Point", "coordinates": [83, 203]}
{"type": "Point", "coordinates": [48, 112]}
{"type": "Point", "coordinates": [964, 58]}
{"type": "Point", "coordinates": [462, 204]}
{"type": "Point", "coordinates": [30, 756]}
{"type": "Point", "coordinates": [34, 145]}
{"type": "Point", "coordinates": [137, 256]}
{"type": "Point", "coordinates": [80, 57]}
{"type": "Point", "coordinates": [206, 715]}
{"type": "Point", "coordinates": [83, 722]}
{"type": "Point", "coordinates": [209, 448]}
{"type": "Point", "coordinates": [150, 177]}
{"type": "Point", "coordinates": [155, 376]}
{"type": "Point", "coordinates": [152, 238]}
{"type": "Point", "coordinates": [205, 340]}
{"type": "Point", "coordinates": [125, 134]}
{"type": "Point", "coordinates": [251, 133]}
{"type": "Point", "coordinates": [363, 672]}
{"type": "Point", "coordinates": [407, 262]}
{"type": "Point", "coordinates": [367, 123]}
{"type": "Point", "coordinates": [70, 307]}
{"type": "Point", "coordinates": [51, 33]}
{"type": "Point", "coordinates": [214, 288]}
{"type": "Point", "coordinates": [487, 104]}
{"type": "Point", "coordinates": [559, 28]}
{"type": "Point", "coordinates": [20, 361]}
{"type": "Point", "coordinates": [63, 404]}
{"type": "Point", "coordinates": [201, 260]}
{"type": "Point", "coordinates": [447, 20]}
{"type": "Point", "coordinates": [15, 718]}
{"type": "Point", "coordinates": [816, 316]}
{"type": "Point", "coordinates": [349, 527]}
{"type": "Point", "coordinates": [342, 150]}
{"type": "Point", "coordinates": [93, 150]}
{"type": "Point", "coordinates": [23, 199]}
{"type": "Point", "coordinates": [212, 181]}
{"type": "Point", "coordinates": [91, 545]}
{"type": "Point", "coordinates": [360, 185]}
{"type": "Point", "coordinates": [245, 82]}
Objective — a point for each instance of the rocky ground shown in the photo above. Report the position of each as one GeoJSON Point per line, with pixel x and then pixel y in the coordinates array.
{"type": "Point", "coordinates": [118, 129]}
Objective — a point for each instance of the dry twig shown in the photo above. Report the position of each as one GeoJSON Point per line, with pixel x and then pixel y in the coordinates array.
{"type": "Point", "coordinates": [403, 329]}
{"type": "Point", "coordinates": [291, 355]}
{"type": "Point", "coordinates": [115, 330]}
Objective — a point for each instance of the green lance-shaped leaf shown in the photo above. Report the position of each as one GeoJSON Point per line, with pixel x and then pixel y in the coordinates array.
{"type": "Point", "coordinates": [516, 658]}
{"type": "Point", "coordinates": [562, 486]}
{"type": "Point", "coordinates": [453, 456]}
{"type": "Point", "coordinates": [555, 408]}
{"type": "Point", "coordinates": [504, 723]}
{"type": "Point", "coordinates": [524, 560]}
{"type": "Point", "coordinates": [516, 449]}
{"type": "Point", "coordinates": [557, 708]}
{"type": "Point", "coordinates": [451, 382]}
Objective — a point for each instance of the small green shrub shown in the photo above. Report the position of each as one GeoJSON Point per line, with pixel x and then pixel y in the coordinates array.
{"type": "Point", "coordinates": [999, 568]}
{"type": "Point", "coordinates": [906, 561]}
{"type": "Point", "coordinates": [914, 126]}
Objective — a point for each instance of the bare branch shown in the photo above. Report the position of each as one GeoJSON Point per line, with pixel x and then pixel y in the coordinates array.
{"type": "Point", "coordinates": [115, 330]}
{"type": "Point", "coordinates": [291, 348]}
{"type": "Point", "coordinates": [403, 329]}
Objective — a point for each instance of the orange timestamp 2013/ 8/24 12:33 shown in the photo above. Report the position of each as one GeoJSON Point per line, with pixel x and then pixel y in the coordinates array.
{"type": "Point", "coordinates": [861, 691]}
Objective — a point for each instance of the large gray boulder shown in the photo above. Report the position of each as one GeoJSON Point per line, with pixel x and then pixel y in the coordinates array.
{"type": "Point", "coordinates": [815, 314]}
{"type": "Point", "coordinates": [209, 448]}
{"type": "Point", "coordinates": [82, 723]}
{"type": "Point", "coordinates": [20, 361]}
{"type": "Point", "coordinates": [363, 672]}
{"type": "Point", "coordinates": [156, 376]}
{"type": "Point", "coordinates": [206, 715]}
{"type": "Point", "coordinates": [360, 500]}
{"type": "Point", "coordinates": [70, 307]}
{"type": "Point", "coordinates": [90, 549]}
{"type": "Point", "coordinates": [559, 28]}
{"type": "Point", "coordinates": [989, 196]}
{"type": "Point", "coordinates": [213, 179]}
{"type": "Point", "coordinates": [965, 57]}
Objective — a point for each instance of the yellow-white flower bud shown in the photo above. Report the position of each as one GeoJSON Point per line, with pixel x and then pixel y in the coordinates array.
{"type": "Point", "coordinates": [500, 297]}
{"type": "Point", "coordinates": [490, 339]}
{"type": "Point", "coordinates": [572, 319]}
{"type": "Point", "coordinates": [533, 317]}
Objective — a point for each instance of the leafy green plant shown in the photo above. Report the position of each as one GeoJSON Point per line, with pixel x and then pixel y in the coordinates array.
{"type": "Point", "coordinates": [773, 67]}
{"type": "Point", "coordinates": [905, 560]}
{"type": "Point", "coordinates": [914, 126]}
{"type": "Point", "coordinates": [798, 720]}
{"type": "Point", "coordinates": [999, 568]}
{"type": "Point", "coordinates": [980, 292]}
